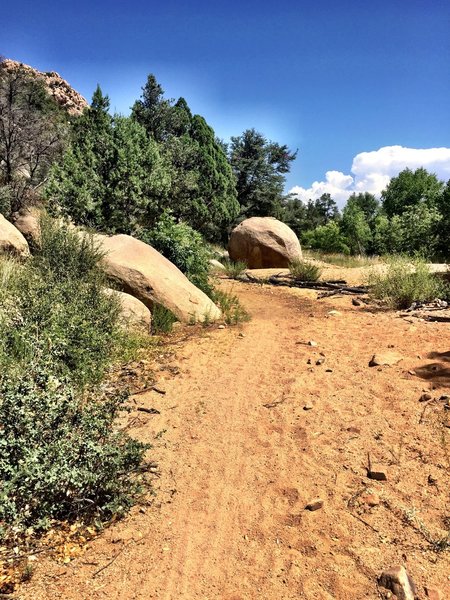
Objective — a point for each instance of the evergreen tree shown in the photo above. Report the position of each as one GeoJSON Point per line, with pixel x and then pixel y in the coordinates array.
{"type": "Point", "coordinates": [111, 176]}
{"type": "Point", "coordinates": [202, 191]}
{"type": "Point", "coordinates": [321, 210]}
{"type": "Point", "coordinates": [259, 166]}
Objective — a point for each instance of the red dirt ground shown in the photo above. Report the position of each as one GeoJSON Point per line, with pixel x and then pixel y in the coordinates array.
{"type": "Point", "coordinates": [240, 458]}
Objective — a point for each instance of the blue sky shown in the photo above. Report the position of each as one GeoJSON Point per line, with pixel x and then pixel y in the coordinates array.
{"type": "Point", "coordinates": [335, 79]}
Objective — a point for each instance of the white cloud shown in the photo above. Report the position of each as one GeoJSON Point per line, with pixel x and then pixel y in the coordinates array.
{"type": "Point", "coordinates": [371, 172]}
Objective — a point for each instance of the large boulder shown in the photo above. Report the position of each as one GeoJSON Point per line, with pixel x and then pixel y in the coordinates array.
{"type": "Point", "coordinates": [11, 240]}
{"type": "Point", "coordinates": [147, 275]}
{"type": "Point", "coordinates": [264, 243]}
{"type": "Point", "coordinates": [134, 312]}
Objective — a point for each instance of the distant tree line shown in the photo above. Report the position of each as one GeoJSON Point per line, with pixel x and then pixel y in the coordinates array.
{"type": "Point", "coordinates": [412, 217]}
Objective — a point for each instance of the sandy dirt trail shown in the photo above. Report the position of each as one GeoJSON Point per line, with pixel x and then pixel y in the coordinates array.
{"type": "Point", "coordinates": [240, 457]}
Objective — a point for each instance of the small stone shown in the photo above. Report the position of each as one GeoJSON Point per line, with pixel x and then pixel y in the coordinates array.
{"type": "Point", "coordinates": [377, 472]}
{"type": "Point", "coordinates": [411, 372]}
{"type": "Point", "coordinates": [308, 406]}
{"type": "Point", "coordinates": [356, 302]}
{"type": "Point", "coordinates": [385, 359]}
{"type": "Point", "coordinates": [334, 313]}
{"type": "Point", "coordinates": [308, 362]}
{"type": "Point", "coordinates": [312, 343]}
{"type": "Point", "coordinates": [371, 499]}
{"type": "Point", "coordinates": [241, 335]}
{"type": "Point", "coordinates": [221, 327]}
{"type": "Point", "coordinates": [328, 370]}
{"type": "Point", "coordinates": [399, 582]}
{"type": "Point", "coordinates": [320, 361]}
{"type": "Point", "coordinates": [315, 504]}
{"type": "Point", "coordinates": [425, 397]}
{"type": "Point", "coordinates": [434, 593]}
{"type": "Point", "coordinates": [354, 430]}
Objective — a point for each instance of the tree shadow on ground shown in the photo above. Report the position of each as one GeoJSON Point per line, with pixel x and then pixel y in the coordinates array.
{"type": "Point", "coordinates": [442, 356]}
{"type": "Point", "coordinates": [438, 373]}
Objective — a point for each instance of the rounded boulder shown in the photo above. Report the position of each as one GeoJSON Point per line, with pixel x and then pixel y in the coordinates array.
{"type": "Point", "coordinates": [11, 240]}
{"type": "Point", "coordinates": [264, 243]}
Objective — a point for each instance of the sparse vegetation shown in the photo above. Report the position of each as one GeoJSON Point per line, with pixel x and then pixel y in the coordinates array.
{"type": "Point", "coordinates": [232, 309]}
{"type": "Point", "coordinates": [162, 319]}
{"type": "Point", "coordinates": [400, 281]}
{"type": "Point", "coordinates": [305, 270]}
{"type": "Point", "coordinates": [341, 260]}
{"type": "Point", "coordinates": [234, 269]}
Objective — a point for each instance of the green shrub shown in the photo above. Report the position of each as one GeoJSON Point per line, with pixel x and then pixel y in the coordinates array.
{"type": "Point", "coordinates": [404, 281]}
{"type": "Point", "coordinates": [162, 319]}
{"type": "Point", "coordinates": [55, 310]}
{"type": "Point", "coordinates": [183, 246]}
{"type": "Point", "coordinates": [304, 270]}
{"type": "Point", "coordinates": [234, 269]}
{"type": "Point", "coordinates": [64, 253]}
{"type": "Point", "coordinates": [232, 310]}
{"type": "Point", "coordinates": [328, 238]}
{"type": "Point", "coordinates": [61, 456]}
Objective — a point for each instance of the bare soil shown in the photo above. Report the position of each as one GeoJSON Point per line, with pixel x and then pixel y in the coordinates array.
{"type": "Point", "coordinates": [239, 458]}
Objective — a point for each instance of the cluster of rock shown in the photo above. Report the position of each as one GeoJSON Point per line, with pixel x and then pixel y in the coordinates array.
{"type": "Point", "coordinates": [57, 87]}
{"type": "Point", "coordinates": [143, 272]}
{"type": "Point", "coordinates": [143, 275]}
{"type": "Point", "coordinates": [147, 278]}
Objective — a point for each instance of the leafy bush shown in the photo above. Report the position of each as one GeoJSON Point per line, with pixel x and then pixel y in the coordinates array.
{"type": "Point", "coordinates": [234, 269]}
{"type": "Point", "coordinates": [328, 238]}
{"type": "Point", "coordinates": [304, 270]}
{"type": "Point", "coordinates": [56, 311]}
{"type": "Point", "coordinates": [404, 281]}
{"type": "Point", "coordinates": [183, 246]}
{"type": "Point", "coordinates": [60, 454]}
{"type": "Point", "coordinates": [61, 458]}
{"type": "Point", "coordinates": [66, 254]}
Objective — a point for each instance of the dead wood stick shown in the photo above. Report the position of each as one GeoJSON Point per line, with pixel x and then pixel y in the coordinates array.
{"type": "Point", "coordinates": [108, 564]}
{"type": "Point", "coordinates": [365, 523]}
{"type": "Point", "coordinates": [437, 318]}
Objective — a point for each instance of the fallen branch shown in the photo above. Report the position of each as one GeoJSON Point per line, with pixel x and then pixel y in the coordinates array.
{"type": "Point", "coordinates": [338, 287]}
{"type": "Point", "coordinates": [274, 403]}
{"type": "Point", "coordinates": [150, 411]}
{"type": "Point", "coordinates": [108, 564]}
{"type": "Point", "coordinates": [437, 318]}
